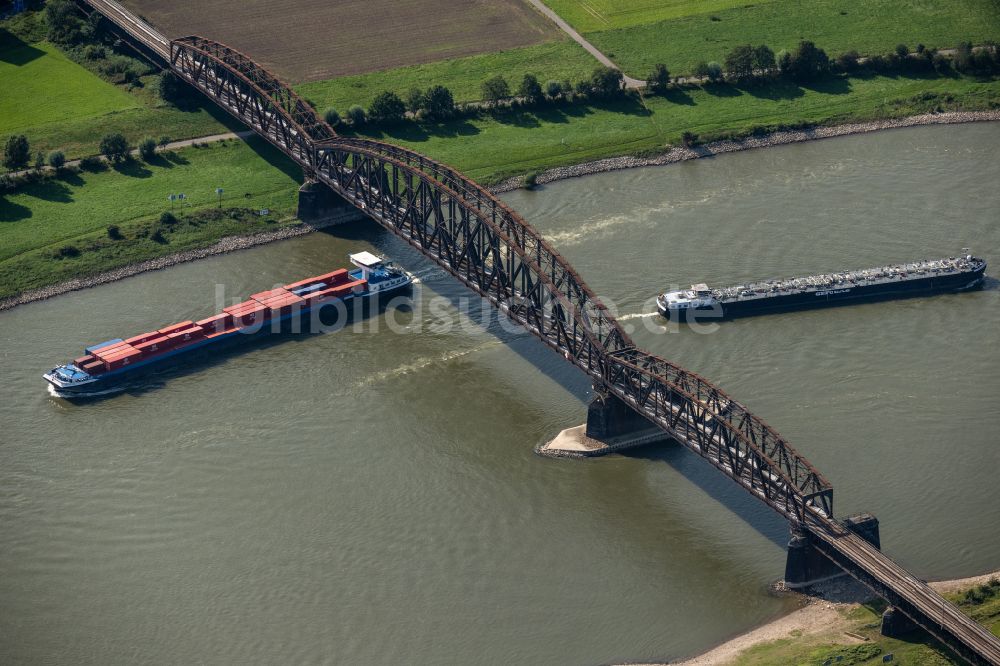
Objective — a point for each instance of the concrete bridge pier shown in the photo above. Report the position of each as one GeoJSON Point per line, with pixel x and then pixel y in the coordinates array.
{"type": "Point", "coordinates": [321, 206]}
{"type": "Point", "coordinates": [806, 566]}
{"type": "Point", "coordinates": [611, 426]}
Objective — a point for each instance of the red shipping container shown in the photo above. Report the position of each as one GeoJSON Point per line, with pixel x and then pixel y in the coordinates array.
{"type": "Point", "coordinates": [216, 322]}
{"type": "Point", "coordinates": [122, 360]}
{"type": "Point", "coordinates": [251, 317]}
{"type": "Point", "coordinates": [94, 367]}
{"type": "Point", "coordinates": [173, 328]}
{"type": "Point", "coordinates": [270, 293]}
{"type": "Point", "coordinates": [83, 360]}
{"type": "Point", "coordinates": [187, 335]}
{"type": "Point", "coordinates": [337, 276]}
{"type": "Point", "coordinates": [143, 338]}
{"type": "Point", "coordinates": [153, 346]}
{"type": "Point", "coordinates": [105, 352]}
{"type": "Point", "coordinates": [225, 331]}
{"type": "Point", "coordinates": [240, 306]}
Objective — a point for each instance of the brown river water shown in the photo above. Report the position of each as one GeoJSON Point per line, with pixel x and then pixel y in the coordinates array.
{"type": "Point", "coordinates": [372, 497]}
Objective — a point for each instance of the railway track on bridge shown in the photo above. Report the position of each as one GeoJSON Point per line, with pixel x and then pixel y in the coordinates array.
{"type": "Point", "coordinates": [490, 249]}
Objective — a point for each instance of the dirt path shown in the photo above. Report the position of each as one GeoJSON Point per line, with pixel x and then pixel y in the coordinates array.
{"type": "Point", "coordinates": [173, 145]}
{"type": "Point", "coordinates": [632, 84]}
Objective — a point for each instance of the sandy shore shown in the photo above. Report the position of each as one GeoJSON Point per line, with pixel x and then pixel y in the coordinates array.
{"type": "Point", "coordinates": [774, 139]}
{"type": "Point", "coordinates": [817, 616]}
{"type": "Point", "coordinates": [599, 166]}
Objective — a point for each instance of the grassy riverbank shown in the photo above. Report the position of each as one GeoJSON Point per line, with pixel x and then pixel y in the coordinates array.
{"type": "Point", "coordinates": [823, 631]}
{"type": "Point", "coordinates": [58, 229]}
{"type": "Point", "coordinates": [510, 143]}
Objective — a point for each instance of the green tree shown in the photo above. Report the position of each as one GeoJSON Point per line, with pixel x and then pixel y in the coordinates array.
{"type": "Point", "coordinates": [739, 64]}
{"type": "Point", "coordinates": [387, 108]}
{"type": "Point", "coordinates": [530, 88]}
{"type": "Point", "coordinates": [415, 100]}
{"type": "Point", "coordinates": [607, 81]}
{"type": "Point", "coordinates": [356, 115]}
{"type": "Point", "coordinates": [495, 89]}
{"type": "Point", "coordinates": [17, 152]}
{"type": "Point", "coordinates": [714, 71]}
{"type": "Point", "coordinates": [808, 62]}
{"type": "Point", "coordinates": [57, 160]}
{"type": "Point", "coordinates": [65, 24]}
{"type": "Point", "coordinates": [147, 148]}
{"type": "Point", "coordinates": [439, 103]}
{"type": "Point", "coordinates": [114, 146]}
{"type": "Point", "coordinates": [962, 59]}
{"type": "Point", "coordinates": [332, 117]}
{"type": "Point", "coordinates": [170, 88]}
{"type": "Point", "coordinates": [659, 78]}
{"type": "Point", "coordinates": [553, 89]}
{"type": "Point", "coordinates": [764, 62]}
{"type": "Point", "coordinates": [700, 70]}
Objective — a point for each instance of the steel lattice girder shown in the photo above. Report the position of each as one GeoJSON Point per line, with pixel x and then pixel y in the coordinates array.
{"type": "Point", "coordinates": [492, 250]}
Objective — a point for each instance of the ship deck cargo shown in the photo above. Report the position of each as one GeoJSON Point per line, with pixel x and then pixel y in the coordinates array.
{"type": "Point", "coordinates": [106, 363]}
{"type": "Point", "coordinates": [917, 278]}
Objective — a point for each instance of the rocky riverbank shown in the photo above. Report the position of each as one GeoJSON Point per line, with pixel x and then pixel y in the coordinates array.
{"type": "Point", "coordinates": [681, 154]}
{"type": "Point", "coordinates": [599, 166]}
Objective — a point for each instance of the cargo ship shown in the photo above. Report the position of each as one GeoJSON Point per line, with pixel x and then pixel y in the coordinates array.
{"type": "Point", "coordinates": [919, 278]}
{"type": "Point", "coordinates": [104, 365]}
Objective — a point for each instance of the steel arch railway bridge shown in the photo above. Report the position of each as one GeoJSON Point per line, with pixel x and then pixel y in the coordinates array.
{"type": "Point", "coordinates": [489, 248]}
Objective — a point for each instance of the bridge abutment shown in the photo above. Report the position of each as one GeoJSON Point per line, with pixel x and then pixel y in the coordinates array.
{"type": "Point", "coordinates": [319, 205]}
{"type": "Point", "coordinates": [611, 426]}
{"type": "Point", "coordinates": [895, 624]}
{"type": "Point", "coordinates": [806, 566]}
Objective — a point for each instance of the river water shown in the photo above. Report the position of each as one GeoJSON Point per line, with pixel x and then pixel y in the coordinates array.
{"type": "Point", "coordinates": [372, 497]}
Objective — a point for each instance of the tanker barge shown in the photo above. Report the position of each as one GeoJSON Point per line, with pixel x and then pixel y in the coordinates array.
{"type": "Point", "coordinates": [897, 281]}
{"type": "Point", "coordinates": [106, 364]}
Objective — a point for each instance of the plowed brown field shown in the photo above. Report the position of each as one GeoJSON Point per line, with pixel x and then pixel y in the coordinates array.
{"type": "Point", "coordinates": [309, 40]}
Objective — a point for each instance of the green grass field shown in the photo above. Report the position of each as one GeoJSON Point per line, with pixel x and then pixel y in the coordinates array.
{"type": "Point", "coordinates": [490, 149]}
{"type": "Point", "coordinates": [60, 105]}
{"type": "Point", "coordinates": [869, 26]}
{"type": "Point", "coordinates": [592, 15]}
{"type": "Point", "coordinates": [76, 210]}
{"type": "Point", "coordinates": [463, 76]}
{"type": "Point", "coordinates": [49, 86]}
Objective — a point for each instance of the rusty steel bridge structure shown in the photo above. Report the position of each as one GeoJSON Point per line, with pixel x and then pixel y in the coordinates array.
{"type": "Point", "coordinates": [489, 248]}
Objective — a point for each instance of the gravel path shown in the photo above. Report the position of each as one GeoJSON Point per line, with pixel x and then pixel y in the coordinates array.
{"type": "Point", "coordinates": [680, 154]}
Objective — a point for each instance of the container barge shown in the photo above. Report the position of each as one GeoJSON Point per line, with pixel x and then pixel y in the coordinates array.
{"type": "Point", "coordinates": [104, 365]}
{"type": "Point", "coordinates": [919, 278]}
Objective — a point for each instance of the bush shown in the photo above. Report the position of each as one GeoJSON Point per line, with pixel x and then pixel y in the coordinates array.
{"type": "Point", "coordinates": [114, 146]}
{"type": "Point", "coordinates": [902, 50]}
{"type": "Point", "coordinates": [530, 180]}
{"type": "Point", "coordinates": [65, 24]}
{"type": "Point", "coordinates": [57, 160]}
{"type": "Point", "coordinates": [158, 236]}
{"type": "Point", "coordinates": [147, 148]}
{"type": "Point", "coordinates": [332, 117]}
{"type": "Point", "coordinates": [607, 81]}
{"type": "Point", "coordinates": [387, 108]}
{"type": "Point", "coordinates": [582, 88]}
{"type": "Point", "coordinates": [808, 62]}
{"type": "Point", "coordinates": [114, 233]}
{"type": "Point", "coordinates": [553, 89]}
{"type": "Point", "coordinates": [170, 88]}
{"type": "Point", "coordinates": [439, 103]}
{"type": "Point", "coordinates": [39, 160]}
{"type": "Point", "coordinates": [689, 139]}
{"type": "Point", "coordinates": [17, 152]}
{"type": "Point", "coordinates": [356, 116]}
{"type": "Point", "coordinates": [530, 88]}
{"type": "Point", "coordinates": [94, 52]}
{"type": "Point", "coordinates": [415, 100]}
{"type": "Point", "coordinates": [659, 78]}
{"type": "Point", "coordinates": [67, 251]}
{"type": "Point", "coordinates": [92, 163]}
{"type": "Point", "coordinates": [700, 70]}
{"type": "Point", "coordinates": [166, 217]}
{"type": "Point", "coordinates": [495, 89]}
{"type": "Point", "coordinates": [848, 62]}
{"type": "Point", "coordinates": [714, 71]}
{"type": "Point", "coordinates": [163, 141]}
